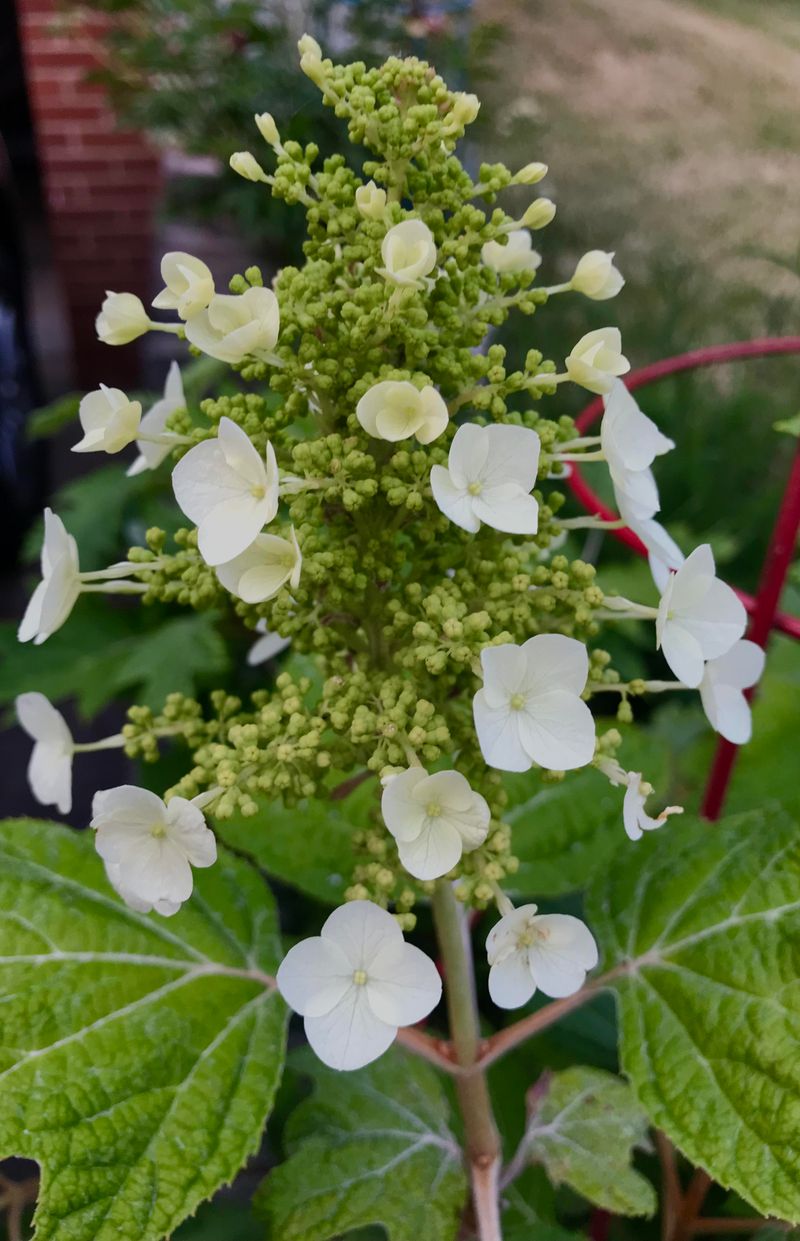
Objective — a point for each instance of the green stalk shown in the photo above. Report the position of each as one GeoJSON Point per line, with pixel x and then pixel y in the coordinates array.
{"type": "Point", "coordinates": [482, 1138]}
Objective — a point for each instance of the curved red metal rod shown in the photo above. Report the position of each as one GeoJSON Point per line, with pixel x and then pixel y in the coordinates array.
{"type": "Point", "coordinates": [763, 608]}
{"type": "Point", "coordinates": [697, 358]}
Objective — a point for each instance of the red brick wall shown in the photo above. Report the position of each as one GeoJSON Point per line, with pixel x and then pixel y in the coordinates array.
{"type": "Point", "coordinates": [101, 183]}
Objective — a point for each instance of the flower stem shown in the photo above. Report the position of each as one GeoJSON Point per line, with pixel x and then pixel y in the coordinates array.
{"type": "Point", "coordinates": [482, 1138]}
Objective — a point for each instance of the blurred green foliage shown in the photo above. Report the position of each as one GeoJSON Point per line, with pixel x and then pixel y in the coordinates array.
{"type": "Point", "coordinates": [192, 73]}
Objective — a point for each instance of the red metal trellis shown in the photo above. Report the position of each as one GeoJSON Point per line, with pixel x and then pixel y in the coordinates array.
{"type": "Point", "coordinates": [763, 607]}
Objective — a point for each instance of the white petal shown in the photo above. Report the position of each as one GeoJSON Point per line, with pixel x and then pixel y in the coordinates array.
{"type": "Point", "coordinates": [511, 982]}
{"type": "Point", "coordinates": [683, 654]}
{"type": "Point", "coordinates": [41, 720]}
{"type": "Point", "coordinates": [507, 508]}
{"type": "Point", "coordinates": [403, 985]}
{"type": "Point", "coordinates": [636, 492]}
{"type": "Point", "coordinates": [557, 731]}
{"type": "Point", "coordinates": [202, 479]}
{"type": "Point", "coordinates": [449, 788]}
{"type": "Point", "coordinates": [361, 929]}
{"type": "Point", "coordinates": [728, 712]}
{"type": "Point", "coordinates": [553, 661]}
{"type": "Point", "coordinates": [504, 933]}
{"type": "Point", "coordinates": [717, 621]}
{"type": "Point", "coordinates": [454, 501]}
{"type": "Point", "coordinates": [231, 527]}
{"type": "Point", "coordinates": [402, 813]}
{"type": "Point", "coordinates": [504, 669]}
{"type": "Point", "coordinates": [314, 976]}
{"type": "Point", "coordinates": [741, 666]}
{"type": "Point", "coordinates": [350, 1035]}
{"type": "Point", "coordinates": [498, 735]}
{"type": "Point", "coordinates": [632, 804]}
{"type": "Point", "coordinates": [513, 456]}
{"type": "Point", "coordinates": [187, 829]}
{"type": "Point", "coordinates": [433, 852]}
{"type": "Point", "coordinates": [50, 776]}
{"type": "Point", "coordinates": [629, 438]}
{"type": "Point", "coordinates": [127, 803]}
{"type": "Point", "coordinates": [267, 647]}
{"type": "Point", "coordinates": [469, 452]}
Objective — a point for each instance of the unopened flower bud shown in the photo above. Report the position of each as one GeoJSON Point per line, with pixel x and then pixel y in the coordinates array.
{"type": "Point", "coordinates": [311, 59]}
{"type": "Point", "coordinates": [539, 214]}
{"type": "Point", "coordinates": [122, 319]}
{"type": "Point", "coordinates": [265, 122]}
{"type": "Point", "coordinates": [247, 166]}
{"type": "Point", "coordinates": [464, 111]}
{"type": "Point", "coordinates": [596, 276]}
{"type": "Point", "coordinates": [530, 174]}
{"type": "Point", "coordinates": [371, 200]}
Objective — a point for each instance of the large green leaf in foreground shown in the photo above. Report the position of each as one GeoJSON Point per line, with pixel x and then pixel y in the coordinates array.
{"type": "Point", "coordinates": [371, 1147]}
{"type": "Point", "coordinates": [702, 921]}
{"type": "Point", "coordinates": [139, 1056]}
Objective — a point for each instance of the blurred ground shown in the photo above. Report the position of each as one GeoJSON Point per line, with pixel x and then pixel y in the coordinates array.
{"type": "Point", "coordinates": [676, 119]}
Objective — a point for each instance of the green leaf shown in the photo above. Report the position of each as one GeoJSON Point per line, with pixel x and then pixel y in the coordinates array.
{"type": "Point", "coordinates": [309, 846]}
{"type": "Point", "coordinates": [174, 658]}
{"type": "Point", "coordinates": [564, 833]}
{"type": "Point", "coordinates": [583, 1126]}
{"type": "Point", "coordinates": [221, 1219]}
{"type": "Point", "coordinates": [371, 1147]}
{"type": "Point", "coordinates": [139, 1056]}
{"type": "Point", "coordinates": [522, 1213]}
{"type": "Point", "coordinates": [103, 653]}
{"type": "Point", "coordinates": [701, 925]}
{"type": "Point", "coordinates": [50, 418]}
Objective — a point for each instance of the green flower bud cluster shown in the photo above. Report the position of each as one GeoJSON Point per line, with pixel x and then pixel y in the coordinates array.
{"type": "Point", "coordinates": [395, 603]}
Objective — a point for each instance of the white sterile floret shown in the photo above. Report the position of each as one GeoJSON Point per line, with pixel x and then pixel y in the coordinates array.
{"type": "Point", "coordinates": [517, 255]}
{"type": "Point", "coordinates": [409, 253]}
{"type": "Point", "coordinates": [154, 423]}
{"type": "Point", "coordinates": [635, 818]}
{"type": "Point", "coordinates": [263, 568]}
{"type": "Point", "coordinates": [356, 983]}
{"type": "Point", "coordinates": [228, 491]}
{"type": "Point", "coordinates": [395, 409]}
{"type": "Point", "coordinates": [188, 284]}
{"type": "Point", "coordinates": [596, 276]}
{"type": "Point", "coordinates": [530, 710]}
{"type": "Point", "coordinates": [122, 318]}
{"type": "Point", "coordinates": [630, 442]}
{"type": "Point", "coordinates": [529, 951]}
{"type": "Point", "coordinates": [722, 690]}
{"type": "Point", "coordinates": [50, 766]}
{"type": "Point", "coordinates": [55, 596]}
{"type": "Point", "coordinates": [371, 200]}
{"type": "Point", "coordinates": [267, 646]}
{"type": "Point", "coordinates": [434, 819]}
{"type": "Point", "coordinates": [236, 325]}
{"type": "Point", "coordinates": [663, 554]}
{"type": "Point", "coordinates": [109, 420]}
{"type": "Point", "coordinates": [699, 617]}
{"type": "Point", "coordinates": [596, 359]}
{"type": "Point", "coordinates": [149, 846]}
{"type": "Point", "coordinates": [488, 478]}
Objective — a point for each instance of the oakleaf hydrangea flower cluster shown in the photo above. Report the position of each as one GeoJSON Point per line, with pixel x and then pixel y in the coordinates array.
{"type": "Point", "coordinates": [381, 496]}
